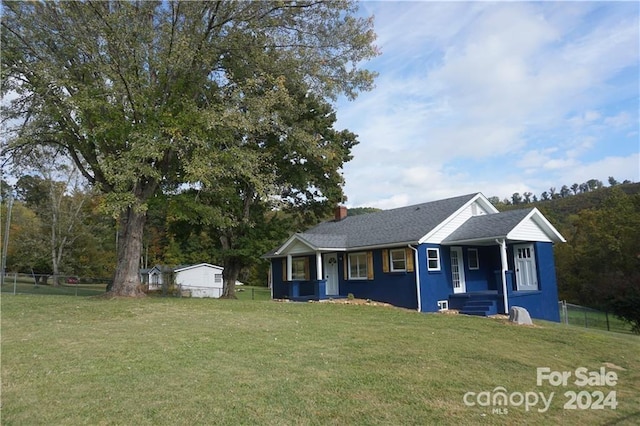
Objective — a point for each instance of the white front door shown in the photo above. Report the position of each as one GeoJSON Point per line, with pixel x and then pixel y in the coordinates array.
{"type": "Point", "coordinates": [525, 264]}
{"type": "Point", "coordinates": [457, 270]}
{"type": "Point", "coordinates": [331, 273]}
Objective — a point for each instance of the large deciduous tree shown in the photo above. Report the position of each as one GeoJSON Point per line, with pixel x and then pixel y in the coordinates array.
{"type": "Point", "coordinates": [150, 95]}
{"type": "Point", "coordinates": [292, 167]}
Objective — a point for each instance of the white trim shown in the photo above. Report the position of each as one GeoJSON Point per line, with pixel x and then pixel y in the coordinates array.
{"type": "Point", "coordinates": [404, 253]}
{"type": "Point", "coordinates": [545, 226]}
{"type": "Point", "coordinates": [462, 279]}
{"type": "Point", "coordinates": [438, 258]}
{"type": "Point", "coordinates": [366, 261]}
{"type": "Point", "coordinates": [528, 275]}
{"type": "Point", "coordinates": [416, 262]}
{"type": "Point", "coordinates": [332, 274]}
{"type": "Point", "coordinates": [481, 199]}
{"type": "Point", "coordinates": [271, 279]}
{"type": "Point", "coordinates": [443, 305]}
{"type": "Point", "coordinates": [319, 266]}
{"type": "Point", "coordinates": [208, 265]}
{"type": "Point", "coordinates": [476, 257]}
{"type": "Point", "coordinates": [505, 266]}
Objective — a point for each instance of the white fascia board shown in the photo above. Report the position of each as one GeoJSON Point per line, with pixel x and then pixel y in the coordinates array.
{"type": "Point", "coordinates": [552, 229]}
{"type": "Point", "coordinates": [485, 203]}
{"type": "Point", "coordinates": [208, 265]}
{"type": "Point", "coordinates": [481, 199]}
{"type": "Point", "coordinates": [381, 246]}
{"type": "Point", "coordinates": [291, 240]}
{"type": "Point", "coordinates": [486, 241]}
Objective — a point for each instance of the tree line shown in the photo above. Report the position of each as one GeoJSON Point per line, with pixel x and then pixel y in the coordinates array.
{"type": "Point", "coordinates": [553, 193]}
{"type": "Point", "coordinates": [599, 265]}
{"type": "Point", "coordinates": [225, 105]}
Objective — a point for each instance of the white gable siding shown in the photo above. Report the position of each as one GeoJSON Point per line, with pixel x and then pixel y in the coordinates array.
{"type": "Point", "coordinates": [455, 222]}
{"type": "Point", "coordinates": [528, 230]}
{"type": "Point", "coordinates": [298, 247]}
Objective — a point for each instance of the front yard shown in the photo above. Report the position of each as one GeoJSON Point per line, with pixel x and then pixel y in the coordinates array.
{"type": "Point", "coordinates": [76, 360]}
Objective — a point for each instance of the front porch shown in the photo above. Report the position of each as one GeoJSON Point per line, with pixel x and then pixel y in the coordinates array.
{"type": "Point", "coordinates": [303, 291]}
{"type": "Point", "coordinates": [492, 302]}
{"type": "Point", "coordinates": [481, 303]}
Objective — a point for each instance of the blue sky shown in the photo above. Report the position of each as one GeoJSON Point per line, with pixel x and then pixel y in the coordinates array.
{"type": "Point", "coordinates": [494, 98]}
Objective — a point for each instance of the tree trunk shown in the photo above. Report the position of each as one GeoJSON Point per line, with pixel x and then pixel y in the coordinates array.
{"type": "Point", "coordinates": [126, 280]}
{"type": "Point", "coordinates": [232, 267]}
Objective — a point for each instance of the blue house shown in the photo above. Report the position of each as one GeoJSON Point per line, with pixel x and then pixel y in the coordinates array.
{"type": "Point", "coordinates": [458, 253]}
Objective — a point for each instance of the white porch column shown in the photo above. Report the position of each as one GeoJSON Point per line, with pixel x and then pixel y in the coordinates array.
{"type": "Point", "coordinates": [289, 267]}
{"type": "Point", "coordinates": [505, 266]}
{"type": "Point", "coordinates": [319, 265]}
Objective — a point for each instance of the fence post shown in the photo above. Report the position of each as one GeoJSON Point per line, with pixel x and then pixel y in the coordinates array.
{"type": "Point", "coordinates": [15, 282]}
{"type": "Point", "coordinates": [606, 315]}
{"type": "Point", "coordinates": [586, 323]}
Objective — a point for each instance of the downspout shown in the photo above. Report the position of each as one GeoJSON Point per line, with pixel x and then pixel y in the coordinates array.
{"type": "Point", "coordinates": [504, 262]}
{"type": "Point", "coordinates": [417, 269]}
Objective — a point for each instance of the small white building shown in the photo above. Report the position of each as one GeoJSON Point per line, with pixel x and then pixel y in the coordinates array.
{"type": "Point", "coordinates": [155, 277]}
{"type": "Point", "coordinates": [201, 280]}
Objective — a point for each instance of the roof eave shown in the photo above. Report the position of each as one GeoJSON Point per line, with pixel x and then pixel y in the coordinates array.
{"type": "Point", "coordinates": [477, 197]}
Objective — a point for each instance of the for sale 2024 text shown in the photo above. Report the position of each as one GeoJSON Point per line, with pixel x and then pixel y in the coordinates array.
{"type": "Point", "coordinates": [581, 377]}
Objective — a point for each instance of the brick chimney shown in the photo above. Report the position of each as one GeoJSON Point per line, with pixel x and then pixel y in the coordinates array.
{"type": "Point", "coordinates": [341, 213]}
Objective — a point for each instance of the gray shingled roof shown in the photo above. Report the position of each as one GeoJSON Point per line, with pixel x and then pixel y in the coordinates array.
{"type": "Point", "coordinates": [496, 225]}
{"type": "Point", "coordinates": [400, 225]}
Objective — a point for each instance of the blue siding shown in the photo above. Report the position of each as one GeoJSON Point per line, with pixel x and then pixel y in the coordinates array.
{"type": "Point", "coordinates": [434, 285]}
{"type": "Point", "coordinates": [541, 304]}
{"type": "Point", "coordinates": [281, 288]}
{"type": "Point", "coordinates": [396, 288]}
{"type": "Point", "coordinates": [481, 279]}
{"type": "Point", "coordinates": [399, 288]}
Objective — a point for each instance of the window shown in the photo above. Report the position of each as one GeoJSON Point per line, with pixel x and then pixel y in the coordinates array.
{"type": "Point", "coordinates": [398, 260]}
{"type": "Point", "coordinates": [358, 266]}
{"type": "Point", "coordinates": [217, 278]}
{"type": "Point", "coordinates": [443, 305]}
{"type": "Point", "coordinates": [433, 259]}
{"type": "Point", "coordinates": [472, 255]}
{"type": "Point", "coordinates": [300, 268]}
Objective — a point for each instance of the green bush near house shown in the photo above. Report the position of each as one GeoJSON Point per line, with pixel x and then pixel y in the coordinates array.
{"type": "Point", "coordinates": [172, 361]}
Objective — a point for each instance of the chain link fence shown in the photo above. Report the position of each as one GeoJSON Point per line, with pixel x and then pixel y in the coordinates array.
{"type": "Point", "coordinates": [71, 285]}
{"type": "Point", "coordinates": [581, 316]}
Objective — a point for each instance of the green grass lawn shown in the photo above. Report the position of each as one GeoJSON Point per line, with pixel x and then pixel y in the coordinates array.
{"type": "Point", "coordinates": [168, 361]}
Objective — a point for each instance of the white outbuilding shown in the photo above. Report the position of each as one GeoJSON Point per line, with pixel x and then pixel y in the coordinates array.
{"type": "Point", "coordinates": [201, 280]}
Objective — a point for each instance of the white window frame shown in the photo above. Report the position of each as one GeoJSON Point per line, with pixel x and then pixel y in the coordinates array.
{"type": "Point", "coordinates": [403, 260]}
{"type": "Point", "coordinates": [443, 305]}
{"type": "Point", "coordinates": [298, 267]}
{"type": "Point", "coordinates": [472, 254]}
{"type": "Point", "coordinates": [217, 278]}
{"type": "Point", "coordinates": [356, 256]}
{"type": "Point", "coordinates": [437, 259]}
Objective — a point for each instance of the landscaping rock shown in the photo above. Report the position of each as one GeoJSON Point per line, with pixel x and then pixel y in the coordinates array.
{"type": "Point", "coordinates": [520, 316]}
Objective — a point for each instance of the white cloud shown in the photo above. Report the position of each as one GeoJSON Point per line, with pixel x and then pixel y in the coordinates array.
{"type": "Point", "coordinates": [493, 97]}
